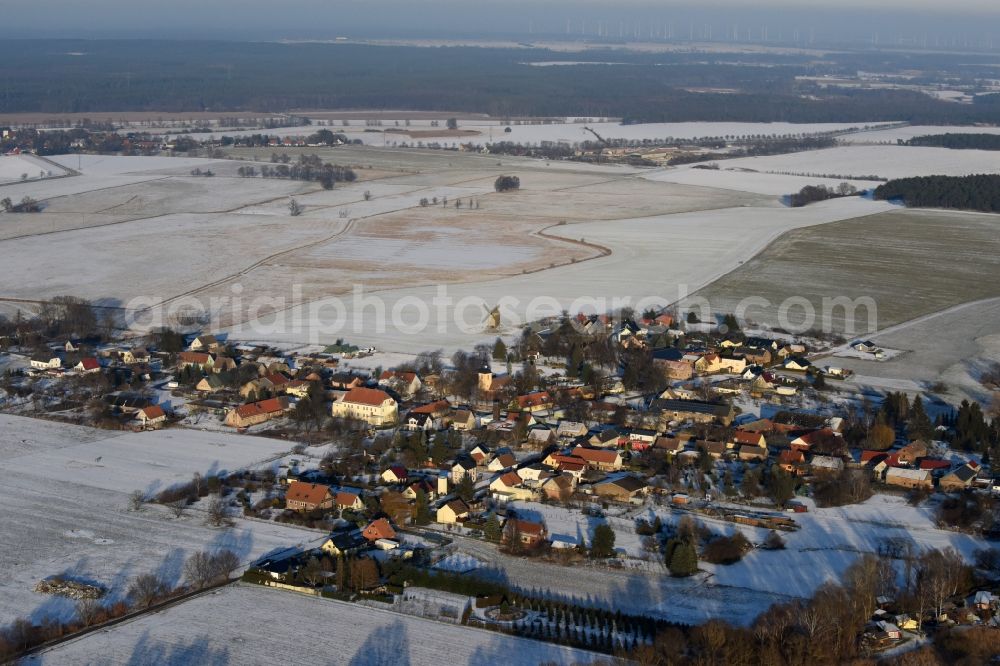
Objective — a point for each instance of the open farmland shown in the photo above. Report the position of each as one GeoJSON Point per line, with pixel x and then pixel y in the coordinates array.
{"type": "Point", "coordinates": [65, 495]}
{"type": "Point", "coordinates": [18, 168]}
{"type": "Point", "coordinates": [882, 161]}
{"type": "Point", "coordinates": [910, 262]}
{"type": "Point", "coordinates": [191, 633]}
{"type": "Point", "coordinates": [954, 346]}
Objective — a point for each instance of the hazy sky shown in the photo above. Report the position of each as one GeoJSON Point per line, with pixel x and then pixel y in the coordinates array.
{"type": "Point", "coordinates": [323, 19]}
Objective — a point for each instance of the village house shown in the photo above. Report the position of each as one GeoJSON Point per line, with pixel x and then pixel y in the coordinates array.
{"type": "Point", "coordinates": [672, 364]}
{"type": "Point", "coordinates": [749, 438]}
{"type": "Point", "coordinates": [826, 465]}
{"type": "Point", "coordinates": [134, 356]}
{"type": "Point", "coordinates": [342, 544]}
{"type": "Point", "coordinates": [210, 384]}
{"type": "Point", "coordinates": [909, 478]}
{"type": "Point", "coordinates": [509, 487]}
{"type": "Point", "coordinates": [46, 362]}
{"type": "Point", "coordinates": [346, 381]}
{"type": "Point", "coordinates": [694, 410]}
{"type": "Point", "coordinates": [624, 489]}
{"type": "Point", "coordinates": [606, 460]}
{"type": "Point", "coordinates": [533, 402]}
{"type": "Point", "coordinates": [957, 480]}
{"type": "Point", "coordinates": [502, 461]}
{"type": "Point", "coordinates": [750, 452]}
{"type": "Point", "coordinates": [87, 366]}
{"type": "Point", "coordinates": [258, 412]}
{"type": "Point", "coordinates": [302, 496]}
{"type": "Point", "coordinates": [405, 384]}
{"type": "Point", "coordinates": [570, 430]}
{"type": "Point", "coordinates": [151, 416]}
{"type": "Point", "coordinates": [792, 461]}
{"type": "Point", "coordinates": [395, 474]}
{"type": "Point", "coordinates": [796, 364]}
{"type": "Point", "coordinates": [464, 466]}
{"type": "Point", "coordinates": [462, 420]}
{"type": "Point", "coordinates": [452, 512]}
{"type": "Point", "coordinates": [191, 359]}
{"type": "Point", "coordinates": [606, 438]}
{"type": "Point", "coordinates": [378, 529]}
{"type": "Point", "coordinates": [490, 385]}
{"type": "Point", "coordinates": [204, 343]}
{"type": "Point", "coordinates": [374, 407]}
{"type": "Point", "coordinates": [559, 488]}
{"type": "Point", "coordinates": [345, 500]}
{"type": "Point", "coordinates": [911, 454]}
{"type": "Point", "coordinates": [526, 532]}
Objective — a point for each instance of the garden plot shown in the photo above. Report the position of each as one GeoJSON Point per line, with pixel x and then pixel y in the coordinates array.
{"type": "Point", "coordinates": [579, 527]}
{"type": "Point", "coordinates": [350, 634]}
{"type": "Point", "coordinates": [882, 161]}
{"type": "Point", "coordinates": [911, 262]}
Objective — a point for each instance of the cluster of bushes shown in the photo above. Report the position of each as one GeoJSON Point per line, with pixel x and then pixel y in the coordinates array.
{"type": "Point", "coordinates": [813, 193]}
{"type": "Point", "coordinates": [506, 183]}
{"type": "Point", "coordinates": [309, 168]}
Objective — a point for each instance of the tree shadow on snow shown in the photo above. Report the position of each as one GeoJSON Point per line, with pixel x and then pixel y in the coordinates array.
{"type": "Point", "coordinates": [388, 644]}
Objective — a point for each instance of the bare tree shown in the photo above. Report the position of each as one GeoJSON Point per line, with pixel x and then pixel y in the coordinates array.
{"type": "Point", "coordinates": [87, 611]}
{"type": "Point", "coordinates": [218, 513]}
{"type": "Point", "coordinates": [178, 507]}
{"type": "Point", "coordinates": [146, 589]}
{"type": "Point", "coordinates": [224, 563]}
{"type": "Point", "coordinates": [199, 569]}
{"type": "Point", "coordinates": [136, 500]}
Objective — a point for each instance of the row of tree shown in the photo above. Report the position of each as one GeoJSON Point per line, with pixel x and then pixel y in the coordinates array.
{"type": "Point", "coordinates": [976, 192]}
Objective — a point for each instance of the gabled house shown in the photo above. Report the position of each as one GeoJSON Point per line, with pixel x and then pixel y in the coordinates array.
{"type": "Point", "coordinates": [538, 401]}
{"type": "Point", "coordinates": [796, 364]}
{"type": "Point", "coordinates": [210, 384]}
{"type": "Point", "coordinates": [509, 487]}
{"type": "Point", "coordinates": [559, 488]}
{"type": "Point", "coordinates": [570, 430]}
{"type": "Point", "coordinates": [526, 532]}
{"type": "Point", "coordinates": [405, 384]}
{"type": "Point", "coordinates": [910, 454]}
{"type": "Point", "coordinates": [378, 529]}
{"type": "Point", "coordinates": [959, 479]}
{"type": "Point", "coordinates": [623, 489]}
{"type": "Point", "coordinates": [909, 478]}
{"type": "Point", "coordinates": [257, 412]}
{"type": "Point", "coordinates": [347, 500]}
{"type": "Point", "coordinates": [46, 362]}
{"type": "Point", "coordinates": [374, 407]}
{"type": "Point", "coordinates": [204, 343]}
{"type": "Point", "coordinates": [464, 467]}
{"type": "Point", "coordinates": [134, 356]}
{"type": "Point", "coordinates": [87, 366]}
{"type": "Point", "coordinates": [749, 438]}
{"type": "Point", "coordinates": [462, 420]}
{"type": "Point", "coordinates": [452, 512]}
{"type": "Point", "coordinates": [302, 496]}
{"type": "Point", "coordinates": [342, 544]}
{"type": "Point", "coordinates": [395, 474]}
{"type": "Point", "coordinates": [606, 460]}
{"type": "Point", "coordinates": [503, 460]}
{"type": "Point", "coordinates": [192, 359]}
{"type": "Point", "coordinates": [151, 416]}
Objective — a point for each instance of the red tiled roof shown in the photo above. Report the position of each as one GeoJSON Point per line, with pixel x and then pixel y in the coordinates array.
{"type": "Point", "coordinates": [366, 396]}
{"type": "Point", "coordinates": [746, 437]}
{"type": "Point", "coordinates": [198, 358]}
{"type": "Point", "coordinates": [596, 455]}
{"type": "Point", "coordinates": [90, 363]}
{"type": "Point", "coordinates": [510, 479]}
{"type": "Point", "coordinates": [346, 499]}
{"type": "Point", "coordinates": [931, 463]}
{"type": "Point", "coordinates": [379, 529]}
{"type": "Point", "coordinates": [269, 406]}
{"type": "Point", "coordinates": [309, 493]}
{"type": "Point", "coordinates": [153, 412]}
{"type": "Point", "coordinates": [534, 399]}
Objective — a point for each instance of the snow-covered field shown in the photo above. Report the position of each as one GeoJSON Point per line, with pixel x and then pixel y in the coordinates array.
{"type": "Point", "coordinates": [972, 332]}
{"type": "Point", "coordinates": [491, 131]}
{"type": "Point", "coordinates": [908, 132]}
{"type": "Point", "coordinates": [732, 178]}
{"type": "Point", "coordinates": [274, 625]}
{"type": "Point", "coordinates": [883, 161]}
{"type": "Point", "coordinates": [17, 168]}
{"type": "Point", "coordinates": [654, 260]}
{"type": "Point", "coordinates": [110, 460]}
{"type": "Point", "coordinates": [65, 491]}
